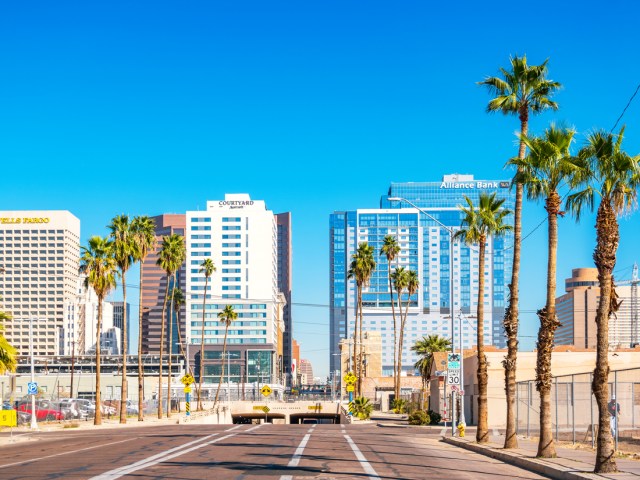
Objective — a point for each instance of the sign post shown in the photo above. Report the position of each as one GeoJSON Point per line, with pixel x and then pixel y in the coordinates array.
{"type": "Point", "coordinates": [187, 381]}
{"type": "Point", "coordinates": [350, 381]}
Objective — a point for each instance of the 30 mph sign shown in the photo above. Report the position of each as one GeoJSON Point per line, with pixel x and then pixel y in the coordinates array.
{"type": "Point", "coordinates": [453, 377]}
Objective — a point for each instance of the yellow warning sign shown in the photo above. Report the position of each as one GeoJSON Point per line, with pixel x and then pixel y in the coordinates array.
{"type": "Point", "coordinates": [187, 389]}
{"type": "Point", "coordinates": [266, 390]}
{"type": "Point", "coordinates": [351, 388]}
{"type": "Point", "coordinates": [9, 418]}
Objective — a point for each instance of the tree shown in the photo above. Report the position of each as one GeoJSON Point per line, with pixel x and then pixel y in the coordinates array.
{"type": "Point", "coordinates": [523, 90]}
{"type": "Point", "coordinates": [7, 351]}
{"type": "Point", "coordinates": [400, 282]}
{"type": "Point", "coordinates": [144, 241]}
{"type": "Point", "coordinates": [391, 249]}
{"type": "Point", "coordinates": [179, 300]}
{"type": "Point", "coordinates": [123, 250]}
{"type": "Point", "coordinates": [226, 316]}
{"type": "Point", "coordinates": [172, 255]}
{"type": "Point", "coordinates": [412, 285]}
{"type": "Point", "coordinates": [478, 224]}
{"type": "Point", "coordinates": [614, 176]}
{"type": "Point", "coordinates": [547, 168]}
{"type": "Point", "coordinates": [361, 268]}
{"type": "Point", "coordinates": [207, 268]}
{"type": "Point", "coordinates": [425, 348]}
{"type": "Point", "coordinates": [99, 265]}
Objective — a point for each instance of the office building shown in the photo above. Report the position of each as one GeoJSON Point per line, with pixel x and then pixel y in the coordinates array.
{"type": "Point", "coordinates": [154, 285]}
{"type": "Point", "coordinates": [425, 248]}
{"type": "Point", "coordinates": [285, 264]}
{"type": "Point", "coordinates": [306, 372]}
{"type": "Point", "coordinates": [240, 235]}
{"type": "Point", "coordinates": [39, 261]}
{"type": "Point", "coordinates": [118, 322]}
{"type": "Point", "coordinates": [577, 309]}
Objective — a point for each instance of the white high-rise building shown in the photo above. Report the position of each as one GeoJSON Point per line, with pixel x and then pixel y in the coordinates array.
{"type": "Point", "coordinates": [39, 260]}
{"type": "Point", "coordinates": [240, 236]}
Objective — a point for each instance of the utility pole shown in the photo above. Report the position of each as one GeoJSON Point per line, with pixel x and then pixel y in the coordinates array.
{"type": "Point", "coordinates": [73, 358]}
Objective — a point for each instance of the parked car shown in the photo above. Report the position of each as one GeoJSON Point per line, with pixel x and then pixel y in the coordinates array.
{"type": "Point", "coordinates": [69, 407]}
{"type": "Point", "coordinates": [45, 410]}
{"type": "Point", "coordinates": [132, 409]}
{"type": "Point", "coordinates": [86, 407]}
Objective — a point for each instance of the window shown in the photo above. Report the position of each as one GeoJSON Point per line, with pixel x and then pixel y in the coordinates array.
{"type": "Point", "coordinates": [231, 219]}
{"type": "Point", "coordinates": [228, 227]}
{"type": "Point", "coordinates": [228, 254]}
{"type": "Point", "coordinates": [231, 245]}
{"type": "Point", "coordinates": [195, 228]}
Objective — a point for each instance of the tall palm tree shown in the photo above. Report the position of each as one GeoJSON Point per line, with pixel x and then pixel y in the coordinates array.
{"type": "Point", "coordinates": [425, 348]}
{"type": "Point", "coordinates": [144, 242]}
{"type": "Point", "coordinates": [361, 269]}
{"type": "Point", "coordinates": [615, 177]}
{"type": "Point", "coordinates": [7, 351]}
{"type": "Point", "coordinates": [179, 300]}
{"type": "Point", "coordinates": [412, 285]}
{"type": "Point", "coordinates": [547, 168]}
{"type": "Point", "coordinates": [123, 248]}
{"type": "Point", "coordinates": [523, 90]}
{"type": "Point", "coordinates": [98, 264]}
{"type": "Point", "coordinates": [226, 316]}
{"type": "Point", "coordinates": [400, 281]}
{"type": "Point", "coordinates": [391, 250]}
{"type": "Point", "coordinates": [179, 261]}
{"type": "Point", "coordinates": [171, 256]}
{"type": "Point", "coordinates": [207, 268]}
{"type": "Point", "coordinates": [478, 224]}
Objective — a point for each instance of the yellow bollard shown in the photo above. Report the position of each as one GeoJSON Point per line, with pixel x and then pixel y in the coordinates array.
{"type": "Point", "coordinates": [461, 429]}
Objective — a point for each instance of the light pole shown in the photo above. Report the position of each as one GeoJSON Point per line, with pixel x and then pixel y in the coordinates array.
{"type": "Point", "coordinates": [73, 358]}
{"type": "Point", "coordinates": [451, 301]}
{"type": "Point", "coordinates": [34, 421]}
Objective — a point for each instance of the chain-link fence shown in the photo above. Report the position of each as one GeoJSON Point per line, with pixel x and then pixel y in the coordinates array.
{"type": "Point", "coordinates": [575, 412]}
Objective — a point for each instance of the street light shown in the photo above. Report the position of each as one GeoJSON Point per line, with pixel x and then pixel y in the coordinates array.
{"type": "Point", "coordinates": [34, 421]}
{"type": "Point", "coordinates": [229, 355]}
{"type": "Point", "coordinates": [451, 302]}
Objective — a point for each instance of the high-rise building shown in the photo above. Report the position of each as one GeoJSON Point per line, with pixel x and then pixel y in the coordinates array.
{"type": "Point", "coordinates": [577, 308]}
{"type": "Point", "coordinates": [154, 285]}
{"type": "Point", "coordinates": [285, 264]}
{"type": "Point", "coordinates": [240, 236]}
{"type": "Point", "coordinates": [425, 248]}
{"type": "Point", "coordinates": [39, 260]}
{"type": "Point", "coordinates": [118, 322]}
{"type": "Point", "coordinates": [306, 372]}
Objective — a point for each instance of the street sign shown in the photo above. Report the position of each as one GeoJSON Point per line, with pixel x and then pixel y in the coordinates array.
{"type": "Point", "coordinates": [316, 408]}
{"type": "Point", "coordinates": [266, 409]}
{"type": "Point", "coordinates": [453, 377]}
{"type": "Point", "coordinates": [259, 407]}
{"type": "Point", "coordinates": [453, 361]}
{"type": "Point", "coordinates": [32, 388]}
{"type": "Point", "coordinates": [350, 378]}
{"type": "Point", "coordinates": [187, 379]}
{"type": "Point", "coordinates": [187, 389]}
{"type": "Point", "coordinates": [9, 418]}
{"type": "Point", "coordinates": [351, 388]}
{"type": "Point", "coordinates": [441, 373]}
{"type": "Point", "coordinates": [266, 390]}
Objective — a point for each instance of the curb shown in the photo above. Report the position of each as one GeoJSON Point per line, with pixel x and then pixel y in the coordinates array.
{"type": "Point", "coordinates": [536, 465]}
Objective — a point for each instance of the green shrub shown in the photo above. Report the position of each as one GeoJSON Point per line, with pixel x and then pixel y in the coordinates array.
{"type": "Point", "coordinates": [419, 417]}
{"type": "Point", "coordinates": [361, 407]}
{"type": "Point", "coordinates": [399, 405]}
{"type": "Point", "coordinates": [434, 416]}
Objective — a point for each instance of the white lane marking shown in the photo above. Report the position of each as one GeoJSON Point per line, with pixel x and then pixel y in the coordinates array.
{"type": "Point", "coordinates": [298, 453]}
{"type": "Point", "coordinates": [160, 457]}
{"type": "Point", "coordinates": [366, 466]}
{"type": "Point", "coordinates": [65, 453]}
{"type": "Point", "coordinates": [286, 477]}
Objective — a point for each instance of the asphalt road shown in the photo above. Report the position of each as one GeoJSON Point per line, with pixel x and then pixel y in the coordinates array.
{"type": "Point", "coordinates": [247, 452]}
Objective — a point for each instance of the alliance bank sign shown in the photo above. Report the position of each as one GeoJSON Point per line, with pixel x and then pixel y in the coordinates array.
{"type": "Point", "coordinates": [476, 184]}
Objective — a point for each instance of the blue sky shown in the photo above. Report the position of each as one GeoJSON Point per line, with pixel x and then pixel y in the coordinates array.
{"type": "Point", "coordinates": [152, 107]}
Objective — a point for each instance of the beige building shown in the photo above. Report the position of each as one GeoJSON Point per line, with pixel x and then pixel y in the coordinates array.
{"type": "Point", "coordinates": [39, 260]}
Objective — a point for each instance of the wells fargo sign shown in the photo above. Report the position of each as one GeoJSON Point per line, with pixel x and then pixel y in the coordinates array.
{"type": "Point", "coordinates": [14, 220]}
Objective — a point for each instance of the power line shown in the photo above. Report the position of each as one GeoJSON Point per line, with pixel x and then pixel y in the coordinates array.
{"type": "Point", "coordinates": [625, 108]}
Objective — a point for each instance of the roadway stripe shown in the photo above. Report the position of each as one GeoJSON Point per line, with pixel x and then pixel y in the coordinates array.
{"type": "Point", "coordinates": [65, 453]}
{"type": "Point", "coordinates": [366, 466]}
{"type": "Point", "coordinates": [295, 460]}
{"type": "Point", "coordinates": [162, 456]}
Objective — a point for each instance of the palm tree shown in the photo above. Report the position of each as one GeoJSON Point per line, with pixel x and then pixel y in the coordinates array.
{"type": "Point", "coordinates": [7, 351]}
{"type": "Point", "coordinates": [227, 316]}
{"type": "Point", "coordinates": [615, 176]}
{"type": "Point", "coordinates": [207, 268]}
{"type": "Point", "coordinates": [523, 90]}
{"type": "Point", "coordinates": [391, 249]}
{"type": "Point", "coordinates": [171, 256]}
{"type": "Point", "coordinates": [548, 166]}
{"type": "Point", "coordinates": [144, 241]}
{"type": "Point", "coordinates": [477, 226]}
{"type": "Point", "coordinates": [179, 300]}
{"type": "Point", "coordinates": [123, 248]}
{"type": "Point", "coordinates": [400, 282]}
{"type": "Point", "coordinates": [361, 269]}
{"type": "Point", "coordinates": [425, 349]}
{"type": "Point", "coordinates": [99, 265]}
{"type": "Point", "coordinates": [412, 284]}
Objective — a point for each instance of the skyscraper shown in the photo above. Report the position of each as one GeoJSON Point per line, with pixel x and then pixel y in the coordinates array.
{"type": "Point", "coordinates": [118, 322]}
{"type": "Point", "coordinates": [283, 221]}
{"type": "Point", "coordinates": [39, 260]}
{"type": "Point", "coordinates": [425, 248]}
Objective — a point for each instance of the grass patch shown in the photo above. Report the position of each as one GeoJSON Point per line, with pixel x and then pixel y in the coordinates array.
{"type": "Point", "coordinates": [71, 425]}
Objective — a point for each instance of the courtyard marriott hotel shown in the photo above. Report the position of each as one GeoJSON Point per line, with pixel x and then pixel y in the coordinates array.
{"type": "Point", "coordinates": [425, 248]}
{"type": "Point", "coordinates": [39, 260]}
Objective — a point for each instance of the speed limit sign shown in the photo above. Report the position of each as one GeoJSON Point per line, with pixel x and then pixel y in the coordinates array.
{"type": "Point", "coordinates": [453, 377]}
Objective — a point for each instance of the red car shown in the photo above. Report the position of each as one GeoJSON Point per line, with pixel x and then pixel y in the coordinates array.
{"type": "Point", "coordinates": [45, 410]}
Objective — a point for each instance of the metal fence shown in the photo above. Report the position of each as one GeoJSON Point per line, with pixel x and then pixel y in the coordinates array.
{"type": "Point", "coordinates": [575, 412]}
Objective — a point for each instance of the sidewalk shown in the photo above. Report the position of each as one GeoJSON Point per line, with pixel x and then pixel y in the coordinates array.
{"type": "Point", "coordinates": [570, 463]}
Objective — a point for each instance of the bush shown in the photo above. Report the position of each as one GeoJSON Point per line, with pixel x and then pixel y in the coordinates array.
{"type": "Point", "coordinates": [361, 407]}
{"type": "Point", "coordinates": [399, 405]}
{"type": "Point", "coordinates": [419, 417]}
{"type": "Point", "coordinates": [434, 416]}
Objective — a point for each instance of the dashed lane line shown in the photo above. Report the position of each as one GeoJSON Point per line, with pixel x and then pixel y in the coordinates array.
{"type": "Point", "coordinates": [366, 466]}
{"type": "Point", "coordinates": [295, 460]}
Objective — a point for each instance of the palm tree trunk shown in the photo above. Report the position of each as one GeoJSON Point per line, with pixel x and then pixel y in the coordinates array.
{"type": "Point", "coordinates": [97, 419]}
{"type": "Point", "coordinates": [170, 347]}
{"type": "Point", "coordinates": [180, 343]}
{"type": "Point", "coordinates": [164, 312]}
{"type": "Point", "coordinates": [361, 354]}
{"type": "Point", "coordinates": [396, 372]}
{"type": "Point", "coordinates": [395, 328]}
{"type": "Point", "coordinates": [204, 306]}
{"type": "Point", "coordinates": [140, 365]}
{"type": "Point", "coordinates": [482, 432]}
{"type": "Point", "coordinates": [608, 237]}
{"type": "Point", "coordinates": [511, 314]}
{"type": "Point", "coordinates": [403, 322]}
{"type": "Point", "coordinates": [355, 335]}
{"type": "Point", "coordinates": [224, 353]}
{"type": "Point", "coordinates": [123, 387]}
{"type": "Point", "coordinates": [548, 325]}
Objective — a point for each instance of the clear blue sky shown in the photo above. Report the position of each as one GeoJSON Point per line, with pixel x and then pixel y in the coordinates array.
{"type": "Point", "coordinates": [152, 107]}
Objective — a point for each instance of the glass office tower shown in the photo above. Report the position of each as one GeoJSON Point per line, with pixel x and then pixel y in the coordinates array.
{"type": "Point", "coordinates": [425, 248]}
